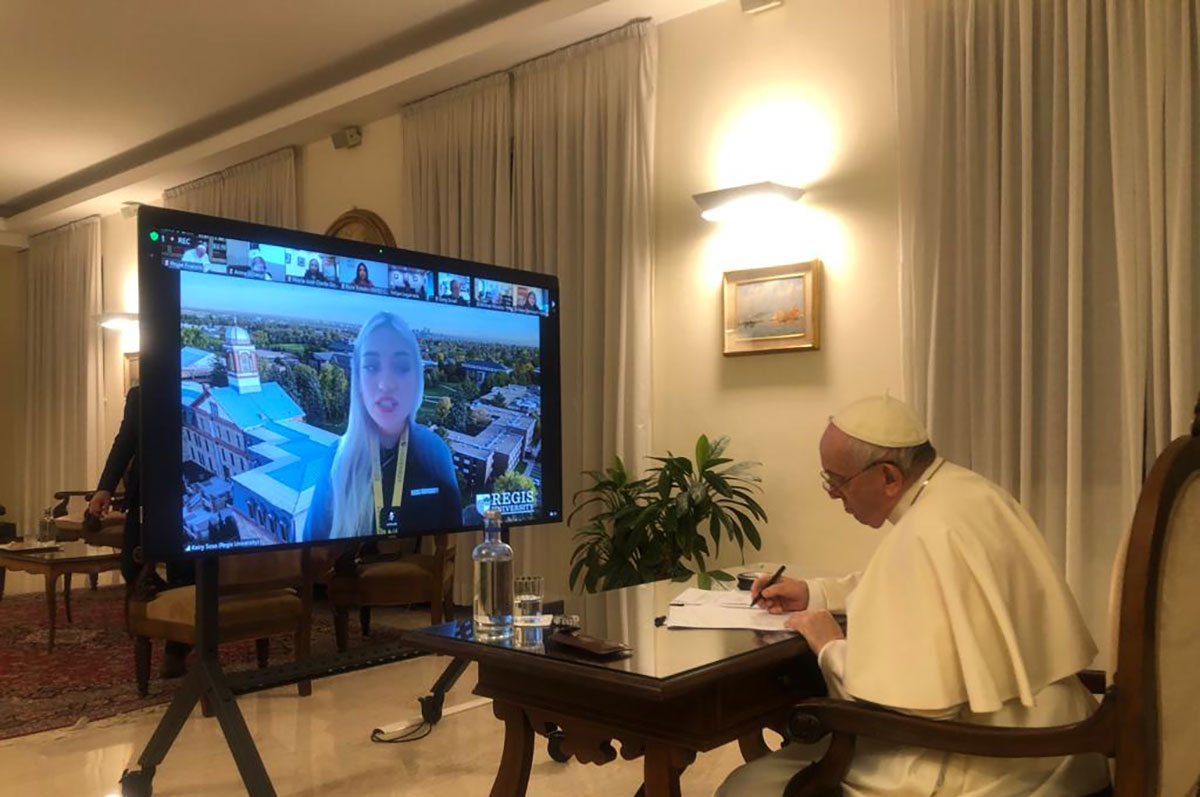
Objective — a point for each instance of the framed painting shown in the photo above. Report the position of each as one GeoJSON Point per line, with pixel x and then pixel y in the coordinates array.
{"type": "Point", "coordinates": [773, 309]}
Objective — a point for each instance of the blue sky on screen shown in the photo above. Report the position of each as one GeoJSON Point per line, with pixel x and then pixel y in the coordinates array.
{"type": "Point", "coordinates": [227, 294]}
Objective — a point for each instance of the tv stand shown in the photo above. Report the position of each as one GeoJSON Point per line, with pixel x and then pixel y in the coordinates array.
{"type": "Point", "coordinates": [205, 681]}
{"type": "Point", "coordinates": [431, 704]}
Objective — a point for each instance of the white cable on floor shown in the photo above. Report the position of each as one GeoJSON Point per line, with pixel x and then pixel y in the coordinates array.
{"type": "Point", "coordinates": [417, 728]}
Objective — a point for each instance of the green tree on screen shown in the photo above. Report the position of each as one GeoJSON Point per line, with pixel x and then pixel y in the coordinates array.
{"type": "Point", "coordinates": [308, 393]}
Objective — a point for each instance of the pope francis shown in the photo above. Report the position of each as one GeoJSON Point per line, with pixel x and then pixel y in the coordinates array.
{"type": "Point", "coordinates": [960, 615]}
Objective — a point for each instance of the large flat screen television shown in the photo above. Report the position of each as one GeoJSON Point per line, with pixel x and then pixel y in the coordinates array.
{"type": "Point", "coordinates": [300, 389]}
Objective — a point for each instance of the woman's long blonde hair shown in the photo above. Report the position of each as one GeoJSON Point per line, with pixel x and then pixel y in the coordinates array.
{"type": "Point", "coordinates": [350, 475]}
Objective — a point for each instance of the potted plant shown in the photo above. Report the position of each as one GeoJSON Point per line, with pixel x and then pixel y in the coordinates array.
{"type": "Point", "coordinates": [660, 526]}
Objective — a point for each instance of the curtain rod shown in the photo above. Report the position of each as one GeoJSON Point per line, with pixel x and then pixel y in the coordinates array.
{"type": "Point", "coordinates": [508, 70]}
{"type": "Point", "coordinates": [65, 225]}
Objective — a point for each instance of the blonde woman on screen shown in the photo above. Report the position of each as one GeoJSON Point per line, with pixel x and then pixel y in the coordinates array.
{"type": "Point", "coordinates": [390, 474]}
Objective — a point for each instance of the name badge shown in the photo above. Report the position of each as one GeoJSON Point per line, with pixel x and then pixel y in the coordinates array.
{"type": "Point", "coordinates": [416, 491]}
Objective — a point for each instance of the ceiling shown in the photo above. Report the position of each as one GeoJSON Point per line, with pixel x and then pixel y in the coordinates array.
{"type": "Point", "coordinates": [104, 102]}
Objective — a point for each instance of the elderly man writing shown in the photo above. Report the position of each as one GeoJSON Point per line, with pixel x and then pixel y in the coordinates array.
{"type": "Point", "coordinates": [960, 615]}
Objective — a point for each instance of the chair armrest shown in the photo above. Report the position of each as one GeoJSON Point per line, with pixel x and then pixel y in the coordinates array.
{"type": "Point", "coordinates": [64, 497]}
{"type": "Point", "coordinates": [68, 494]}
{"type": "Point", "coordinates": [814, 718]}
{"type": "Point", "coordinates": [1095, 680]}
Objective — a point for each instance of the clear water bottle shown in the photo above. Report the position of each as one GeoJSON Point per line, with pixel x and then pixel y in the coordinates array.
{"type": "Point", "coordinates": [493, 582]}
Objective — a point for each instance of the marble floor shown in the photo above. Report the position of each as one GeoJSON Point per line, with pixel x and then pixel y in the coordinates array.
{"type": "Point", "coordinates": [320, 745]}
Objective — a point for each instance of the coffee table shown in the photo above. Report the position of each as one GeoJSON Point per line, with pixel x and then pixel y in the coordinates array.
{"type": "Point", "coordinates": [66, 558]}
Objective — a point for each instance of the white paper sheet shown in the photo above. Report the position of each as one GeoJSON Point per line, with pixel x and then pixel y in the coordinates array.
{"type": "Point", "coordinates": [698, 608]}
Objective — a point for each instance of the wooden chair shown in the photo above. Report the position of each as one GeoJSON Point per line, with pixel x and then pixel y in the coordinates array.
{"type": "Point", "coordinates": [1146, 723]}
{"type": "Point", "coordinates": [72, 523]}
{"type": "Point", "coordinates": [389, 578]}
{"type": "Point", "coordinates": [262, 594]}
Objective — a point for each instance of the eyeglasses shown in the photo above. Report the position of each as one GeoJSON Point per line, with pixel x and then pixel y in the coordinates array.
{"type": "Point", "coordinates": [835, 484]}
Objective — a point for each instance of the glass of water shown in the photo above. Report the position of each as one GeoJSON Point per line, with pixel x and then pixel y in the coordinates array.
{"type": "Point", "coordinates": [528, 592]}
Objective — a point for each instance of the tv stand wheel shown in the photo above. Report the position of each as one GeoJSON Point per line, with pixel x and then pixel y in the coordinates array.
{"type": "Point", "coordinates": [554, 741]}
{"type": "Point", "coordinates": [137, 782]}
{"type": "Point", "coordinates": [431, 707]}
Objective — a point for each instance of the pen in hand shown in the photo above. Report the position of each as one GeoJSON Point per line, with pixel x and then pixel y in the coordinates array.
{"type": "Point", "coordinates": [770, 583]}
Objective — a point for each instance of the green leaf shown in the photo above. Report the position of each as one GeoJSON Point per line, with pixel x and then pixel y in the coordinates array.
{"type": "Point", "coordinates": [720, 575]}
{"type": "Point", "coordinates": [704, 580]}
{"type": "Point", "coordinates": [719, 484]}
{"type": "Point", "coordinates": [751, 533]}
{"type": "Point", "coordinates": [702, 451]}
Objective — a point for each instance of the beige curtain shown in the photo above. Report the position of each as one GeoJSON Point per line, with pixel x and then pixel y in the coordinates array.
{"type": "Point", "coordinates": [456, 172]}
{"type": "Point", "coordinates": [64, 367]}
{"type": "Point", "coordinates": [575, 130]}
{"type": "Point", "coordinates": [455, 182]}
{"type": "Point", "coordinates": [1047, 279]}
{"type": "Point", "coordinates": [583, 145]}
{"type": "Point", "coordinates": [261, 190]}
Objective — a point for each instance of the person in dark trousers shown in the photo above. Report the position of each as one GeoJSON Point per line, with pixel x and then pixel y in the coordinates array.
{"type": "Point", "coordinates": [123, 462]}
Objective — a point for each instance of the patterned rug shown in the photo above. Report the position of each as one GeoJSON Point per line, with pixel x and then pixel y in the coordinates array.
{"type": "Point", "coordinates": [90, 674]}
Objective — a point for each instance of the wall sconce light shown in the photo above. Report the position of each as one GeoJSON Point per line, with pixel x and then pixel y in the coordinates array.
{"type": "Point", "coordinates": [747, 201]}
{"type": "Point", "coordinates": [121, 321]}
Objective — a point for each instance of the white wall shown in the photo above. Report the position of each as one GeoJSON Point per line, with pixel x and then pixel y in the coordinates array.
{"type": "Point", "coordinates": [331, 181]}
{"type": "Point", "coordinates": [801, 94]}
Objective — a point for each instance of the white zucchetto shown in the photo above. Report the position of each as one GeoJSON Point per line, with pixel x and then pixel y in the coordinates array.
{"type": "Point", "coordinates": [882, 421]}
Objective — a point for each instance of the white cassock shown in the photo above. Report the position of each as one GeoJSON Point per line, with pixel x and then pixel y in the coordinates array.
{"type": "Point", "coordinates": [960, 615]}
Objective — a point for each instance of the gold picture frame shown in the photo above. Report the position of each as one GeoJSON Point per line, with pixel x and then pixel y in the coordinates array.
{"type": "Point", "coordinates": [360, 224]}
{"type": "Point", "coordinates": [772, 309]}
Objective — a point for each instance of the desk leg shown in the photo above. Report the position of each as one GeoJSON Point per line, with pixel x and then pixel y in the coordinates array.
{"type": "Point", "coordinates": [513, 777]}
{"type": "Point", "coordinates": [51, 606]}
{"type": "Point", "coordinates": [2, 574]}
{"type": "Point", "coordinates": [94, 580]}
{"type": "Point", "coordinates": [663, 766]}
{"type": "Point", "coordinates": [67, 595]}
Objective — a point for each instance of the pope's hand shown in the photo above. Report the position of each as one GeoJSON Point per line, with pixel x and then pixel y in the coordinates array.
{"type": "Point", "coordinates": [785, 595]}
{"type": "Point", "coordinates": [817, 627]}
{"type": "Point", "coordinates": [98, 506]}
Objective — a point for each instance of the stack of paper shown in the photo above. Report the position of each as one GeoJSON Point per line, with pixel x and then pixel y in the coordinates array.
{"type": "Point", "coordinates": [698, 608]}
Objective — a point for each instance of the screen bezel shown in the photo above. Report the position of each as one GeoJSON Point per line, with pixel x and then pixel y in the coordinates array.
{"type": "Point", "coordinates": [161, 455]}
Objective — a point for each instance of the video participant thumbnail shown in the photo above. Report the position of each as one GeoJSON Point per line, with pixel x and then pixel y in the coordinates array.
{"type": "Point", "coordinates": [532, 300]}
{"type": "Point", "coordinates": [410, 283]}
{"type": "Point", "coordinates": [454, 288]}
{"type": "Point", "coordinates": [362, 275]}
{"type": "Point", "coordinates": [193, 252]}
{"type": "Point", "coordinates": [497, 295]}
{"type": "Point", "coordinates": [313, 414]}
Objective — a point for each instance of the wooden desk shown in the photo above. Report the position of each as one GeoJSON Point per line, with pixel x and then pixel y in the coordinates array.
{"type": "Point", "coordinates": [69, 558]}
{"type": "Point", "coordinates": [682, 692]}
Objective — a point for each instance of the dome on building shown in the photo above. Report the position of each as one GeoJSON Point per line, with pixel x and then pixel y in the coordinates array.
{"type": "Point", "coordinates": [236, 336]}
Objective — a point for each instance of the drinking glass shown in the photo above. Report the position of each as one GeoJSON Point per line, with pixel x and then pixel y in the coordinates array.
{"type": "Point", "coordinates": [528, 592]}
